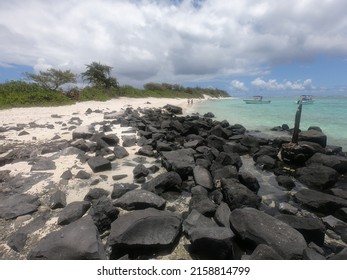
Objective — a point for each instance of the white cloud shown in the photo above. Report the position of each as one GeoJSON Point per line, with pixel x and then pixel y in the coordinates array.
{"type": "Point", "coordinates": [146, 40]}
{"type": "Point", "coordinates": [272, 84]}
{"type": "Point", "coordinates": [238, 86]}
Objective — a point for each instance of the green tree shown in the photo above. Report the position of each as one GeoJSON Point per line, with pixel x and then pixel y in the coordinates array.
{"type": "Point", "coordinates": [52, 78]}
{"type": "Point", "coordinates": [99, 75]}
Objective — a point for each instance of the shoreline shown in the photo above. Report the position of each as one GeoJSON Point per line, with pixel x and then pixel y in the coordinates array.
{"type": "Point", "coordinates": [180, 165]}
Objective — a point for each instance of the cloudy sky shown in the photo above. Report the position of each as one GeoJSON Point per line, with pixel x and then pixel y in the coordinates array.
{"type": "Point", "coordinates": [242, 46]}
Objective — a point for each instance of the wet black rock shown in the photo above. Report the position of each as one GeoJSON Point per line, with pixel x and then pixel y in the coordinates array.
{"type": "Point", "coordinates": [337, 226]}
{"type": "Point", "coordinates": [285, 182]}
{"type": "Point", "coordinates": [247, 179]}
{"type": "Point", "coordinates": [67, 244]}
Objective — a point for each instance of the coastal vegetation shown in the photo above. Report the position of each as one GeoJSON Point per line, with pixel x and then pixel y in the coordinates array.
{"type": "Point", "coordinates": [56, 87]}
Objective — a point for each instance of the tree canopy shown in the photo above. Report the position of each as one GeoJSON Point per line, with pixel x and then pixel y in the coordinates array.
{"type": "Point", "coordinates": [99, 75]}
{"type": "Point", "coordinates": [52, 78]}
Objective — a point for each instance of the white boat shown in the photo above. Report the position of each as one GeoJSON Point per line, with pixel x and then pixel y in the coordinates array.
{"type": "Point", "coordinates": [305, 99]}
{"type": "Point", "coordinates": [257, 99]}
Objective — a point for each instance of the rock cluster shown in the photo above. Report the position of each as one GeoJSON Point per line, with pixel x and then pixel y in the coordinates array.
{"type": "Point", "coordinates": [201, 192]}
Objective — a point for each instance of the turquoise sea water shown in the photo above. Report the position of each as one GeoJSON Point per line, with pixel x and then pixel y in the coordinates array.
{"type": "Point", "coordinates": [329, 113]}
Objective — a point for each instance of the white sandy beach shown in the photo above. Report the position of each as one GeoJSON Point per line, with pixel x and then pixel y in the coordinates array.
{"type": "Point", "coordinates": [58, 118]}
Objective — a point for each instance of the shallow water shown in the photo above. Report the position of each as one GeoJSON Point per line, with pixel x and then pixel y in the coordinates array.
{"type": "Point", "coordinates": [329, 113]}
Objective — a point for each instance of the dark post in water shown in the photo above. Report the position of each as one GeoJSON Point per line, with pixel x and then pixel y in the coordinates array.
{"type": "Point", "coordinates": [297, 124]}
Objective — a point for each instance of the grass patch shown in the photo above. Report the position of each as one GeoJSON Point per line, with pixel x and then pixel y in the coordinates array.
{"type": "Point", "coordinates": [21, 94]}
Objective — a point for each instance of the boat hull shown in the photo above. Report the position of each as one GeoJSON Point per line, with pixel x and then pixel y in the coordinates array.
{"type": "Point", "coordinates": [251, 101]}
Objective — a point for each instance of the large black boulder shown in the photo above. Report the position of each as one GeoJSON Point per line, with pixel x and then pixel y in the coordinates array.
{"type": "Point", "coordinates": [78, 241]}
{"type": "Point", "coordinates": [339, 163]}
{"type": "Point", "coordinates": [314, 136]}
{"type": "Point", "coordinates": [311, 228]}
{"type": "Point", "coordinates": [258, 227]}
{"type": "Point", "coordinates": [148, 229]}
{"type": "Point", "coordinates": [180, 161]}
{"type": "Point", "coordinates": [317, 176]}
{"type": "Point", "coordinates": [319, 201]}
{"type": "Point", "coordinates": [18, 205]}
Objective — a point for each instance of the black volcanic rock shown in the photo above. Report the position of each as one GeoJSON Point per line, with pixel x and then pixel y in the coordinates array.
{"type": "Point", "coordinates": [99, 164]}
{"type": "Point", "coordinates": [148, 229]}
{"type": "Point", "coordinates": [180, 161]}
{"type": "Point", "coordinates": [120, 152]}
{"type": "Point", "coordinates": [203, 177]}
{"type": "Point", "coordinates": [314, 136]}
{"type": "Point", "coordinates": [237, 195]}
{"type": "Point", "coordinates": [164, 182]}
{"type": "Point", "coordinates": [255, 226]}
{"type": "Point", "coordinates": [18, 205]}
{"type": "Point", "coordinates": [339, 163]}
{"type": "Point", "coordinates": [57, 200]}
{"type": "Point", "coordinates": [103, 213]}
{"type": "Point", "coordinates": [72, 212]}
{"type": "Point", "coordinates": [311, 228]}
{"type": "Point", "coordinates": [139, 199]}
{"type": "Point", "coordinates": [68, 244]}
{"type": "Point", "coordinates": [214, 243]}
{"type": "Point", "coordinates": [319, 201]}
{"type": "Point", "coordinates": [318, 176]}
